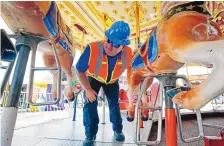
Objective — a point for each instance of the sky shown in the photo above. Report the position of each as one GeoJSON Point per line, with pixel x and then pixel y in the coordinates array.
{"type": "Point", "coordinates": [46, 76]}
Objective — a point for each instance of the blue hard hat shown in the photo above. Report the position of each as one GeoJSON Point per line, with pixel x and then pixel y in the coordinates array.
{"type": "Point", "coordinates": [119, 33]}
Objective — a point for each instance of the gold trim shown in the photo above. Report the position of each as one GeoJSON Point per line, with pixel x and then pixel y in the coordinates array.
{"type": "Point", "coordinates": [107, 70]}
{"type": "Point", "coordinates": [95, 12]}
{"type": "Point", "coordinates": [159, 10]}
{"type": "Point", "coordinates": [100, 15]}
{"type": "Point", "coordinates": [101, 19]}
{"type": "Point", "coordinates": [82, 18]}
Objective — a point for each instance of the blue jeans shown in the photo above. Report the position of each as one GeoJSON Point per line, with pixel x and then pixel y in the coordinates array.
{"type": "Point", "coordinates": [90, 114]}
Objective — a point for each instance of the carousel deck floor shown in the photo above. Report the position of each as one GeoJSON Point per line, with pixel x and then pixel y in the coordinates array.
{"type": "Point", "coordinates": [65, 132]}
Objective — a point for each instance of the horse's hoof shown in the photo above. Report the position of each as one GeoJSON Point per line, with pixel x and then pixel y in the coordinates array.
{"type": "Point", "coordinates": [65, 101]}
{"type": "Point", "coordinates": [145, 115]}
{"type": "Point", "coordinates": [54, 99]}
{"type": "Point", "coordinates": [144, 118]}
{"type": "Point", "coordinates": [71, 99]}
{"type": "Point", "coordinates": [129, 119]}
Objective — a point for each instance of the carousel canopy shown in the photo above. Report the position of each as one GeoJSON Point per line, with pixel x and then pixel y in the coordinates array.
{"type": "Point", "coordinates": [96, 17]}
{"type": "Point", "coordinates": [89, 19]}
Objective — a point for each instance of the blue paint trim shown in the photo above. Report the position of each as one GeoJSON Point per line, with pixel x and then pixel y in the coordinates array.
{"type": "Point", "coordinates": [50, 21]}
{"type": "Point", "coordinates": [153, 47]}
{"type": "Point", "coordinates": [138, 63]}
{"type": "Point", "coordinates": [152, 52]}
{"type": "Point", "coordinates": [65, 46]}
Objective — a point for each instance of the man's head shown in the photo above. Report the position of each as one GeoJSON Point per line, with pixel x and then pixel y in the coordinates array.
{"type": "Point", "coordinates": [117, 38]}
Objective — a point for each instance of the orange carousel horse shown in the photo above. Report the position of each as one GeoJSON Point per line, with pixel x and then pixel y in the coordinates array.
{"type": "Point", "coordinates": [43, 19]}
{"type": "Point", "coordinates": [185, 34]}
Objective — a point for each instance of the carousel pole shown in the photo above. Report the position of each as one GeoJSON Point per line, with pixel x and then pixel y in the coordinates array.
{"type": "Point", "coordinates": [170, 115]}
{"type": "Point", "coordinates": [76, 99]}
{"type": "Point", "coordinates": [159, 10]}
{"type": "Point", "coordinates": [83, 37]}
{"type": "Point", "coordinates": [103, 95]}
{"type": "Point", "coordinates": [187, 72]}
{"type": "Point", "coordinates": [137, 26]}
{"type": "Point", "coordinates": [138, 45]}
{"type": "Point", "coordinates": [82, 48]}
{"type": "Point", "coordinates": [82, 29]}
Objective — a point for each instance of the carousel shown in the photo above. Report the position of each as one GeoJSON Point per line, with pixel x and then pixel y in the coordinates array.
{"type": "Point", "coordinates": [160, 105]}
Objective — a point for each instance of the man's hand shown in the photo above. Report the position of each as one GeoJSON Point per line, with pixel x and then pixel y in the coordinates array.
{"type": "Point", "coordinates": [90, 95]}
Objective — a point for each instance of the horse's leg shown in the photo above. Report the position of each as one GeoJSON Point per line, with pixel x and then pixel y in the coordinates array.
{"type": "Point", "coordinates": [145, 112]}
{"type": "Point", "coordinates": [68, 93]}
{"type": "Point", "coordinates": [209, 52]}
{"type": "Point", "coordinates": [49, 61]}
{"type": "Point", "coordinates": [133, 81]}
{"type": "Point", "coordinates": [66, 61]}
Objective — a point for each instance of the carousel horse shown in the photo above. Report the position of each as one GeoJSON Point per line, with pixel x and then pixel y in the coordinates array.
{"type": "Point", "coordinates": [43, 19]}
{"type": "Point", "coordinates": [185, 34]}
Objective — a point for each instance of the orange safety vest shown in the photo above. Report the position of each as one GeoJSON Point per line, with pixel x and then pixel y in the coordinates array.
{"type": "Point", "coordinates": [98, 63]}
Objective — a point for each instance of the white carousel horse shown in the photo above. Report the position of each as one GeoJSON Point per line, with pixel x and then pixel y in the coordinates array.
{"type": "Point", "coordinates": [185, 34]}
{"type": "Point", "coordinates": [43, 19]}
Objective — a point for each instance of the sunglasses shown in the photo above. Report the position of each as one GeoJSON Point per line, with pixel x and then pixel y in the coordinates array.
{"type": "Point", "coordinates": [116, 46]}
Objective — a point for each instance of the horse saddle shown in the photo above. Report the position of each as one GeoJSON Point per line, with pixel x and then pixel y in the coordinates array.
{"type": "Point", "coordinates": [151, 48]}
{"type": "Point", "coordinates": [8, 50]}
{"type": "Point", "coordinates": [57, 28]}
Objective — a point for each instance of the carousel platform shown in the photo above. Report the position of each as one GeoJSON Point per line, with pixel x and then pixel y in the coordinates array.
{"type": "Point", "coordinates": [65, 132]}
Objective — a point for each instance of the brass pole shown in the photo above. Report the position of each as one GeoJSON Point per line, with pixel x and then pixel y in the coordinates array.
{"type": "Point", "coordinates": [104, 24]}
{"type": "Point", "coordinates": [83, 37]}
{"type": "Point", "coordinates": [187, 71]}
{"type": "Point", "coordinates": [159, 10]}
{"type": "Point", "coordinates": [137, 25]}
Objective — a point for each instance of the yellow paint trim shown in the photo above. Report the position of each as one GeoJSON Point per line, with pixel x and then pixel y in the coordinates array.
{"type": "Point", "coordinates": [94, 11]}
{"type": "Point", "coordinates": [82, 18]}
{"type": "Point", "coordinates": [187, 70]}
{"type": "Point", "coordinates": [107, 68]}
{"type": "Point", "coordinates": [159, 10]}
{"type": "Point", "coordinates": [90, 53]}
{"type": "Point", "coordinates": [112, 74]}
{"type": "Point", "coordinates": [103, 22]}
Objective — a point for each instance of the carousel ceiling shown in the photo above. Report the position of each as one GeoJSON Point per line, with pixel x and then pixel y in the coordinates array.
{"type": "Point", "coordinates": [96, 16]}
{"type": "Point", "coordinates": [89, 19]}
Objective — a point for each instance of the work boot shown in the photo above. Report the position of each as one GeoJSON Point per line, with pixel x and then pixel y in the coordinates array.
{"type": "Point", "coordinates": [89, 141]}
{"type": "Point", "coordinates": [119, 136]}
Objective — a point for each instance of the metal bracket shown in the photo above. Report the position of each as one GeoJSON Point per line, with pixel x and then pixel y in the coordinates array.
{"type": "Point", "coordinates": [165, 80]}
{"type": "Point", "coordinates": [32, 41]}
{"type": "Point", "coordinates": [180, 127]}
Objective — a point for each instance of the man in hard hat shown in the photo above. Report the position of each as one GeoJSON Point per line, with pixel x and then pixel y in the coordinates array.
{"type": "Point", "coordinates": [100, 65]}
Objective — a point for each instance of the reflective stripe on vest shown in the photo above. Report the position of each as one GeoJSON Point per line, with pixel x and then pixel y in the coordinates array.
{"type": "Point", "coordinates": [99, 60]}
{"type": "Point", "coordinates": [123, 58]}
